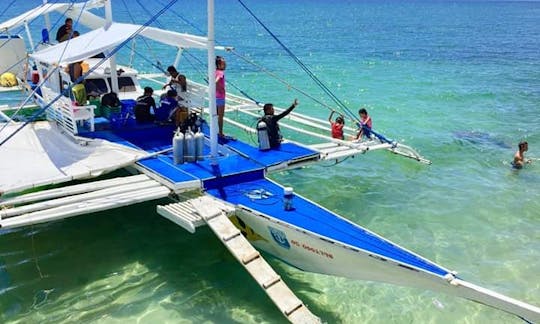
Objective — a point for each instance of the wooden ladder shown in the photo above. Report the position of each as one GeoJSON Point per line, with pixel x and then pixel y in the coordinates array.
{"type": "Point", "coordinates": [282, 296]}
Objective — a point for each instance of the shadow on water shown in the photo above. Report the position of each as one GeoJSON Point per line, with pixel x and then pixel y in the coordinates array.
{"type": "Point", "coordinates": [480, 138]}
{"type": "Point", "coordinates": [132, 263]}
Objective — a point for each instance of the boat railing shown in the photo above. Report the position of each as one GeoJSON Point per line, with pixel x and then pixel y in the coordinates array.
{"type": "Point", "coordinates": [66, 114]}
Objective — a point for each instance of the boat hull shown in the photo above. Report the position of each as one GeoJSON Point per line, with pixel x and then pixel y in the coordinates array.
{"type": "Point", "coordinates": [311, 252]}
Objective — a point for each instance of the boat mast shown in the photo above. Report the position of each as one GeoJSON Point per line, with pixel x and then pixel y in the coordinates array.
{"type": "Point", "coordinates": [211, 81]}
{"type": "Point", "coordinates": [112, 59]}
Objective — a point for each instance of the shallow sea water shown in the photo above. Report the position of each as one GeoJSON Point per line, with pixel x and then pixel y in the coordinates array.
{"type": "Point", "coordinates": [459, 81]}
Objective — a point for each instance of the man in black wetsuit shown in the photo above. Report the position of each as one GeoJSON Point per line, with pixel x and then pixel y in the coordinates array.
{"type": "Point", "coordinates": [142, 108]}
{"type": "Point", "coordinates": [271, 121]}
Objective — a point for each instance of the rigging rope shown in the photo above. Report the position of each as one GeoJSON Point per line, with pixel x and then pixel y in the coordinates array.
{"type": "Point", "coordinates": [35, 90]}
{"type": "Point", "coordinates": [82, 77]}
{"type": "Point", "coordinates": [7, 7]}
{"type": "Point", "coordinates": [303, 66]}
{"type": "Point", "coordinates": [263, 69]}
{"type": "Point", "coordinates": [36, 45]}
{"type": "Point", "coordinates": [143, 38]}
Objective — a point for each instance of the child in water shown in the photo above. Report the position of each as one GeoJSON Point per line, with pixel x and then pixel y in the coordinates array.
{"type": "Point", "coordinates": [337, 126]}
{"type": "Point", "coordinates": [519, 157]}
{"type": "Point", "coordinates": [365, 124]}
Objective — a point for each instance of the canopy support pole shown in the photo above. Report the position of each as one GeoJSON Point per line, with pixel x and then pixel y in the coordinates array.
{"type": "Point", "coordinates": [211, 82]}
{"type": "Point", "coordinates": [112, 59]}
{"type": "Point", "coordinates": [47, 20]}
{"type": "Point", "coordinates": [29, 35]}
{"type": "Point", "coordinates": [178, 56]}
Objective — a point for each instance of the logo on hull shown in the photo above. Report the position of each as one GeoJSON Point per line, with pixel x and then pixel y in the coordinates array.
{"type": "Point", "coordinates": [279, 237]}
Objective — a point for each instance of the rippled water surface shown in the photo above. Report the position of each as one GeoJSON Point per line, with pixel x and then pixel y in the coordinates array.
{"type": "Point", "coordinates": [459, 81]}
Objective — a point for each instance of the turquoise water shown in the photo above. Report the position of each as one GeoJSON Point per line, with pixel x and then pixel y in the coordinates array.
{"type": "Point", "coordinates": [459, 81]}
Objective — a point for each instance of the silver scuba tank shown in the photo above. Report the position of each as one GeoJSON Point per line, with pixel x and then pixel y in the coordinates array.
{"type": "Point", "coordinates": [262, 134]}
{"type": "Point", "coordinates": [189, 152]}
{"type": "Point", "coordinates": [199, 145]}
{"type": "Point", "coordinates": [178, 147]}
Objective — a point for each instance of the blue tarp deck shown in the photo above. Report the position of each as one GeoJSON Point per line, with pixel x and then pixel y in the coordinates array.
{"type": "Point", "coordinates": [236, 175]}
{"type": "Point", "coordinates": [154, 139]}
{"type": "Point", "coordinates": [311, 217]}
{"type": "Point", "coordinates": [286, 153]}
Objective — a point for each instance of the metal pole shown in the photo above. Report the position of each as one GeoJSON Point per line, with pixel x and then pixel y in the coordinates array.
{"type": "Point", "coordinates": [47, 20]}
{"type": "Point", "coordinates": [29, 35]}
{"type": "Point", "coordinates": [212, 81]}
{"type": "Point", "coordinates": [112, 59]}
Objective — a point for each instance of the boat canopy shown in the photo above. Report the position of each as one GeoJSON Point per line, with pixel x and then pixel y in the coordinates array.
{"type": "Point", "coordinates": [73, 9]}
{"type": "Point", "coordinates": [86, 45]}
{"type": "Point", "coordinates": [40, 154]}
{"type": "Point", "coordinates": [105, 39]}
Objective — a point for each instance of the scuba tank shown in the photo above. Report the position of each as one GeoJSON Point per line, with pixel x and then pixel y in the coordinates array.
{"type": "Point", "coordinates": [178, 147]}
{"type": "Point", "coordinates": [189, 151]}
{"type": "Point", "coordinates": [199, 146]}
{"type": "Point", "coordinates": [262, 134]}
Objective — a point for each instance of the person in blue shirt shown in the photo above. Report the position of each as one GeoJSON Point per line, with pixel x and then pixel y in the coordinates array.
{"type": "Point", "coordinates": [168, 106]}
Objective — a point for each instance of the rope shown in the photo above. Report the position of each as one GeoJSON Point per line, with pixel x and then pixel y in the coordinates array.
{"type": "Point", "coordinates": [281, 80]}
{"type": "Point", "coordinates": [143, 38]}
{"type": "Point", "coordinates": [35, 115]}
{"type": "Point", "coordinates": [81, 78]}
{"type": "Point", "coordinates": [203, 64]}
{"type": "Point", "coordinates": [303, 66]}
{"type": "Point", "coordinates": [7, 7]}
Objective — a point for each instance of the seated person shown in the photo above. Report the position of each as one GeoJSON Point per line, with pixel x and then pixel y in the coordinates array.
{"type": "Point", "coordinates": [111, 100]}
{"type": "Point", "coordinates": [142, 108]}
{"type": "Point", "coordinates": [365, 124]}
{"type": "Point", "coordinates": [167, 106]}
{"type": "Point", "coordinates": [63, 32]}
{"type": "Point", "coordinates": [74, 70]}
{"type": "Point", "coordinates": [92, 90]}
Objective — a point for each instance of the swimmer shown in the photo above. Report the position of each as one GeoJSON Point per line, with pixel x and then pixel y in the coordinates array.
{"type": "Point", "coordinates": [519, 157]}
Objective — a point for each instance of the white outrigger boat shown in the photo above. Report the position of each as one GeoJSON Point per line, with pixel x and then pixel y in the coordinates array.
{"type": "Point", "coordinates": [229, 179]}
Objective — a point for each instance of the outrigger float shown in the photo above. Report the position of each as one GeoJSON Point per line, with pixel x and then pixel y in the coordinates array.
{"type": "Point", "coordinates": [233, 195]}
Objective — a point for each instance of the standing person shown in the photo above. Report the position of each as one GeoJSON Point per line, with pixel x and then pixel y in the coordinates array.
{"type": "Point", "coordinates": [519, 157]}
{"type": "Point", "coordinates": [74, 70]}
{"type": "Point", "coordinates": [177, 82]}
{"type": "Point", "coordinates": [220, 92]}
{"type": "Point", "coordinates": [65, 30]}
{"type": "Point", "coordinates": [337, 126]}
{"type": "Point", "coordinates": [365, 124]}
{"type": "Point", "coordinates": [142, 108]}
{"type": "Point", "coordinates": [271, 121]}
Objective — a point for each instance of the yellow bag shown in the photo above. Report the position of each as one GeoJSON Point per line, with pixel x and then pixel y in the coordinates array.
{"type": "Point", "coordinates": [8, 79]}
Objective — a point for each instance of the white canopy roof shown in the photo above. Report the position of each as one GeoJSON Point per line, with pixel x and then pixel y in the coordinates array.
{"type": "Point", "coordinates": [72, 9]}
{"type": "Point", "coordinates": [86, 45]}
{"type": "Point", "coordinates": [102, 40]}
{"type": "Point", "coordinates": [39, 154]}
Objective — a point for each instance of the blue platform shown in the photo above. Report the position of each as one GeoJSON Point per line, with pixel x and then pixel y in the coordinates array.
{"type": "Point", "coordinates": [311, 217]}
{"type": "Point", "coordinates": [236, 176]}
{"type": "Point", "coordinates": [285, 153]}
